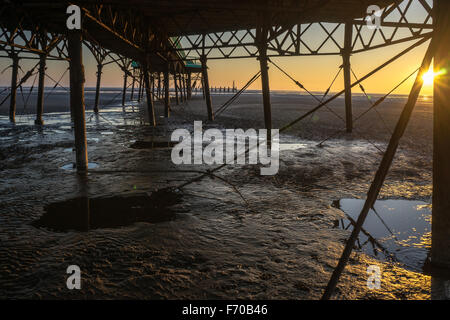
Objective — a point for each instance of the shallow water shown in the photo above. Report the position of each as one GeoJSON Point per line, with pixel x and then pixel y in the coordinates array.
{"type": "Point", "coordinates": [394, 230]}
{"type": "Point", "coordinates": [281, 245]}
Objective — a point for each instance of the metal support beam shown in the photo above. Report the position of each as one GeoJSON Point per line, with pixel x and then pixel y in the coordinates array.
{"type": "Point", "coordinates": [13, 95]}
{"type": "Point", "coordinates": [440, 249]}
{"type": "Point", "coordinates": [41, 85]}
{"type": "Point", "coordinates": [132, 86]}
{"type": "Point", "coordinates": [189, 86]}
{"type": "Point", "coordinates": [206, 88]}
{"type": "Point", "coordinates": [150, 105]}
{"type": "Point", "coordinates": [175, 85]}
{"type": "Point", "coordinates": [166, 93]}
{"type": "Point", "coordinates": [77, 97]}
{"type": "Point", "coordinates": [124, 92]}
{"type": "Point", "coordinates": [97, 87]}
{"type": "Point", "coordinates": [346, 52]}
{"type": "Point", "coordinates": [262, 48]}
{"type": "Point", "coordinates": [183, 86]}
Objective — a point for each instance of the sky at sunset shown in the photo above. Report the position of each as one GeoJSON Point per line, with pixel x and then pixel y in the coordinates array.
{"type": "Point", "coordinates": [314, 72]}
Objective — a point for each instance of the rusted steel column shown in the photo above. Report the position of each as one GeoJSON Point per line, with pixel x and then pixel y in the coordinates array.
{"type": "Point", "coordinates": [97, 87]}
{"type": "Point", "coordinates": [440, 239]}
{"type": "Point", "coordinates": [13, 96]}
{"type": "Point", "coordinates": [262, 47]}
{"type": "Point", "coordinates": [40, 93]}
{"type": "Point", "coordinates": [346, 52]}
{"type": "Point", "coordinates": [124, 92]}
{"type": "Point", "coordinates": [189, 86]}
{"type": "Point", "coordinates": [166, 93]}
{"type": "Point", "coordinates": [175, 84]}
{"type": "Point", "coordinates": [180, 87]}
{"type": "Point", "coordinates": [150, 105]}
{"type": "Point", "coordinates": [206, 90]}
{"type": "Point", "coordinates": [77, 97]}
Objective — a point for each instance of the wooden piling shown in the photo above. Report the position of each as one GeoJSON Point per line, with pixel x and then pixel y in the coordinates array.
{"type": "Point", "coordinates": [77, 97]}
{"type": "Point", "coordinates": [13, 96]}
{"type": "Point", "coordinates": [440, 235]}
{"type": "Point", "coordinates": [40, 93]}
{"type": "Point", "coordinates": [206, 88]}
{"type": "Point", "coordinates": [346, 52]}
{"type": "Point", "coordinates": [97, 87]}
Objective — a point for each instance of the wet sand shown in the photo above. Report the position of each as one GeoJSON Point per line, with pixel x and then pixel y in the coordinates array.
{"type": "Point", "coordinates": [282, 245]}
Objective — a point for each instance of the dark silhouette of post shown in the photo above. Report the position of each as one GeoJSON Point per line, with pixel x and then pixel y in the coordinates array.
{"type": "Point", "coordinates": [124, 92]}
{"type": "Point", "coordinates": [40, 93]}
{"type": "Point", "coordinates": [132, 85]}
{"type": "Point", "coordinates": [206, 88]}
{"type": "Point", "coordinates": [13, 96]}
{"type": "Point", "coordinates": [97, 86]}
{"type": "Point", "coordinates": [77, 97]}
{"type": "Point", "coordinates": [189, 85]}
{"type": "Point", "coordinates": [346, 52]}
{"type": "Point", "coordinates": [175, 84]}
{"type": "Point", "coordinates": [148, 90]}
{"type": "Point", "coordinates": [262, 48]}
{"type": "Point", "coordinates": [440, 235]}
{"type": "Point", "coordinates": [166, 93]}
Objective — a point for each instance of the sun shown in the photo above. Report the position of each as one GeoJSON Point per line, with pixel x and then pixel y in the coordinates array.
{"type": "Point", "coordinates": [428, 77]}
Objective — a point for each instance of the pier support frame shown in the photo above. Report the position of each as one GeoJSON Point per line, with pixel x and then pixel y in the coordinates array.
{"type": "Point", "coordinates": [206, 88]}
{"type": "Point", "coordinates": [13, 96]}
{"type": "Point", "coordinates": [124, 92]}
{"type": "Point", "coordinates": [346, 53]}
{"type": "Point", "coordinates": [40, 93]}
{"type": "Point", "coordinates": [166, 93]}
{"type": "Point", "coordinates": [150, 104]}
{"type": "Point", "coordinates": [97, 86]}
{"type": "Point", "coordinates": [176, 88]}
{"type": "Point", "coordinates": [262, 48]}
{"type": "Point", "coordinates": [188, 86]}
{"type": "Point", "coordinates": [440, 249]}
{"type": "Point", "coordinates": [77, 97]}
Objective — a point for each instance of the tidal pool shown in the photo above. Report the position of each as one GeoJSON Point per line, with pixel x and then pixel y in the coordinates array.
{"type": "Point", "coordinates": [394, 230]}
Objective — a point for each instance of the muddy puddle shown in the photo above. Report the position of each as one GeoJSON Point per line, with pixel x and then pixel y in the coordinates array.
{"type": "Point", "coordinates": [84, 214]}
{"type": "Point", "coordinates": [394, 230]}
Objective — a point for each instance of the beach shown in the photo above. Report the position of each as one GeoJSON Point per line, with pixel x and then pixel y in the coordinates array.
{"type": "Point", "coordinates": [279, 242]}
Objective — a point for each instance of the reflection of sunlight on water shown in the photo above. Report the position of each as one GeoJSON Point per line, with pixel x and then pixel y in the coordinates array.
{"type": "Point", "coordinates": [398, 230]}
{"type": "Point", "coordinates": [292, 146]}
{"type": "Point", "coordinates": [71, 166]}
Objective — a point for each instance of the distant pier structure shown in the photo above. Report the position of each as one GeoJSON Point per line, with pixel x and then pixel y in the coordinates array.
{"type": "Point", "coordinates": [164, 47]}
